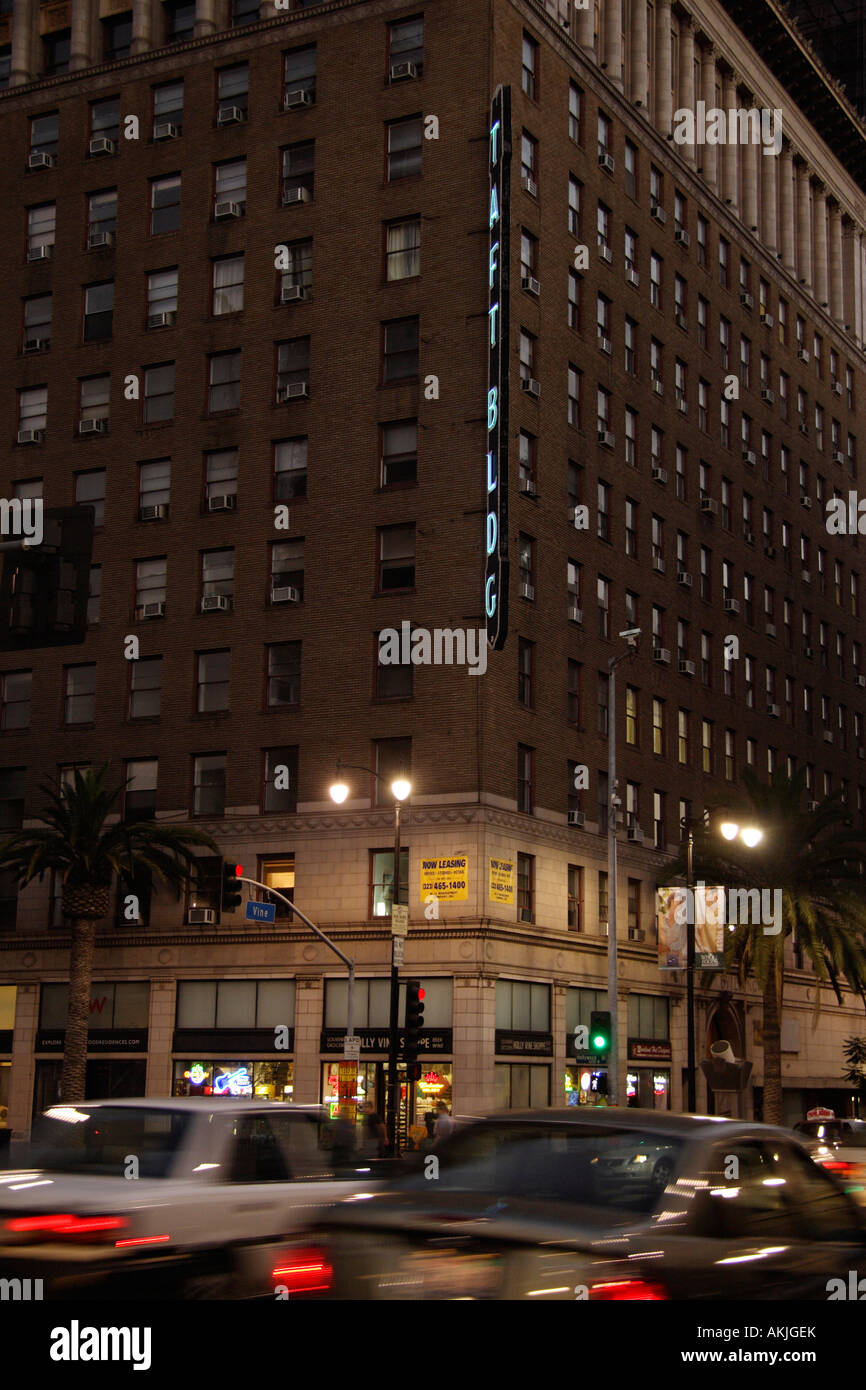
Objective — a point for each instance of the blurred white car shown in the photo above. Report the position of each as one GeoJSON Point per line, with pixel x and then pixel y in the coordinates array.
{"type": "Point", "coordinates": [168, 1197]}
{"type": "Point", "coordinates": [840, 1146]}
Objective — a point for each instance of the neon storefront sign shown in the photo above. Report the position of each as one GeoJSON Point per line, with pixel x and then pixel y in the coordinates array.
{"type": "Point", "coordinates": [233, 1083]}
{"type": "Point", "coordinates": [498, 281]}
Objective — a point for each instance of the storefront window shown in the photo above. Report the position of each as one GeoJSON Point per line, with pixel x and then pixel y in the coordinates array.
{"type": "Point", "coordinates": [585, 1085]}
{"type": "Point", "coordinates": [263, 1080]}
{"type": "Point", "coordinates": [648, 1088]}
{"type": "Point", "coordinates": [521, 1086]}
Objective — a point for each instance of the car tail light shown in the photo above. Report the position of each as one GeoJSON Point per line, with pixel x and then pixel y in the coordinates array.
{"type": "Point", "coordinates": [306, 1270]}
{"type": "Point", "coordinates": [843, 1167]}
{"type": "Point", "coordinates": [619, 1290]}
{"type": "Point", "coordinates": [65, 1226]}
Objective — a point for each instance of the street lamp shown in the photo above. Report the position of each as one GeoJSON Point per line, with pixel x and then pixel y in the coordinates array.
{"type": "Point", "coordinates": [749, 834]}
{"type": "Point", "coordinates": [632, 636]}
{"type": "Point", "coordinates": [401, 789]}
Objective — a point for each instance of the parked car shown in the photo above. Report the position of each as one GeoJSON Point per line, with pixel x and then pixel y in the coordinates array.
{"type": "Point", "coordinates": [545, 1204]}
{"type": "Point", "coordinates": [840, 1146]}
{"type": "Point", "coordinates": [166, 1197]}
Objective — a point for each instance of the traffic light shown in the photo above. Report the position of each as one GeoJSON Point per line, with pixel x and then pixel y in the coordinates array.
{"type": "Point", "coordinates": [414, 1017]}
{"type": "Point", "coordinates": [231, 895]}
{"type": "Point", "coordinates": [599, 1032]}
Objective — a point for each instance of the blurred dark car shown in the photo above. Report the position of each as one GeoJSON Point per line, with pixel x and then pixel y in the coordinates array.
{"type": "Point", "coordinates": [840, 1146]}
{"type": "Point", "coordinates": [609, 1204]}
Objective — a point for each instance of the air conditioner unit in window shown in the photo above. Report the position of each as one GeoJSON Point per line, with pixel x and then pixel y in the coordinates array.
{"type": "Point", "coordinates": [607, 163]}
{"type": "Point", "coordinates": [602, 926]}
{"type": "Point", "coordinates": [527, 591]}
{"type": "Point", "coordinates": [773, 711]}
{"type": "Point", "coordinates": [606, 254]}
{"type": "Point", "coordinates": [295, 195]}
{"type": "Point", "coordinates": [226, 502]}
{"type": "Point", "coordinates": [837, 388]}
{"type": "Point", "coordinates": [216, 603]}
{"type": "Point", "coordinates": [747, 301]}
{"type": "Point", "coordinates": [658, 386]}
{"type": "Point", "coordinates": [680, 319]}
{"type": "Point", "coordinates": [400, 72]}
{"type": "Point", "coordinates": [606, 438]}
{"type": "Point", "coordinates": [803, 427]}
{"type": "Point", "coordinates": [828, 737]}
{"type": "Point", "coordinates": [201, 917]}
{"type": "Point", "coordinates": [531, 285]}
{"type": "Point", "coordinates": [662, 656]}
{"type": "Point", "coordinates": [750, 457]}
{"type": "Point", "coordinates": [802, 355]}
{"type": "Point", "coordinates": [709, 506]}
{"type": "Point", "coordinates": [97, 239]}
{"type": "Point", "coordinates": [806, 502]}
{"type": "Point", "coordinates": [632, 278]}
{"type": "Point", "coordinates": [838, 456]}
{"type": "Point", "coordinates": [227, 208]}
{"type": "Point", "coordinates": [687, 668]}
{"type": "Point", "coordinates": [41, 160]}
{"type": "Point", "coordinates": [732, 605]}
{"type": "Point", "coordinates": [806, 577]}
{"type": "Point", "coordinates": [767, 320]}
{"type": "Point", "coordinates": [682, 236]}
{"type": "Point", "coordinates": [683, 406]}
{"type": "Point", "coordinates": [285, 593]}
{"type": "Point", "coordinates": [577, 818]}
{"type": "Point", "coordinates": [528, 487]}
{"type": "Point", "coordinates": [165, 130]}
{"type": "Point", "coordinates": [294, 101]}
{"type": "Point", "coordinates": [529, 185]}
{"type": "Point", "coordinates": [531, 387]}
{"type": "Point", "coordinates": [636, 934]}
{"type": "Point", "coordinates": [770, 629]}
{"type": "Point", "coordinates": [163, 320]}
{"type": "Point", "coordinates": [605, 345]}
{"type": "Point", "coordinates": [296, 391]}
{"type": "Point", "coordinates": [748, 538]}
{"type": "Point", "coordinates": [635, 834]}
{"type": "Point", "coordinates": [36, 344]}
{"type": "Point", "coordinates": [659, 475]}
{"type": "Point", "coordinates": [860, 682]}
{"type": "Point", "coordinates": [685, 579]}
{"type": "Point", "coordinates": [157, 512]}
{"type": "Point", "coordinates": [658, 564]}
{"type": "Point", "coordinates": [151, 610]}
{"type": "Point", "coordinates": [658, 213]}
{"type": "Point", "coordinates": [231, 115]}
{"type": "Point", "coordinates": [95, 424]}
{"type": "Point", "coordinates": [31, 436]}
{"type": "Point", "coordinates": [41, 253]}
{"type": "Point", "coordinates": [575, 613]}
{"type": "Point", "coordinates": [100, 144]}
{"type": "Point", "coordinates": [768, 395]}
{"type": "Point", "coordinates": [292, 294]}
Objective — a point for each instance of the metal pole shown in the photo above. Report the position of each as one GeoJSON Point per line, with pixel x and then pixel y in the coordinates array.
{"type": "Point", "coordinates": [395, 999]}
{"type": "Point", "coordinates": [613, 1055]}
{"type": "Point", "coordinates": [691, 1102]}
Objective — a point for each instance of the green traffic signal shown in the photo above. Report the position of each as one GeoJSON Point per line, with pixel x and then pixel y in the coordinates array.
{"type": "Point", "coordinates": [599, 1032]}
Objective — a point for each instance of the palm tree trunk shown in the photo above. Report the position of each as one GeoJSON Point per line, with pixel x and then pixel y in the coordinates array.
{"type": "Point", "coordinates": [772, 1029]}
{"type": "Point", "coordinates": [77, 1009]}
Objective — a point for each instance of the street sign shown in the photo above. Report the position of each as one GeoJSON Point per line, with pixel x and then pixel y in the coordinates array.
{"type": "Point", "coordinates": [400, 920]}
{"type": "Point", "coordinates": [260, 912]}
{"type": "Point", "coordinates": [352, 1047]}
{"type": "Point", "coordinates": [399, 946]}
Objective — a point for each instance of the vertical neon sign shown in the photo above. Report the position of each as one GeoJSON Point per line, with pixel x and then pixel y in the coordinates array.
{"type": "Point", "coordinates": [498, 278]}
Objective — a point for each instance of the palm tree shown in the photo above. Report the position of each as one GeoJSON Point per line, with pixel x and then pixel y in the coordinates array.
{"type": "Point", "coordinates": [817, 860]}
{"type": "Point", "coordinates": [76, 841]}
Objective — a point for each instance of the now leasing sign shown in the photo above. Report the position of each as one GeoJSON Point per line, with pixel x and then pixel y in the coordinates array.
{"type": "Point", "coordinates": [498, 283]}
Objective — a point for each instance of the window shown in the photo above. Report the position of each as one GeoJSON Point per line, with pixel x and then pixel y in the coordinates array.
{"type": "Point", "coordinates": [603, 606]}
{"type": "Point", "coordinates": [90, 492]}
{"type": "Point", "coordinates": [154, 484]}
{"type": "Point", "coordinates": [80, 694]}
{"type": "Point", "coordinates": [145, 688]}
{"type": "Point", "coordinates": [41, 222]}
{"type": "Point", "coordinates": [298, 172]}
{"type": "Point", "coordinates": [394, 679]}
{"type": "Point", "coordinates": [105, 118]}
{"type": "Point", "coordinates": [631, 169]}
{"type": "Point", "coordinates": [165, 204]}
{"type": "Point", "coordinates": [723, 262]}
{"type": "Point", "coordinates": [656, 188]}
{"type": "Point", "coordinates": [575, 694]}
{"type": "Point", "coordinates": [575, 898]}
{"type": "Point", "coordinates": [244, 12]}
{"type": "Point", "coordinates": [396, 545]}
{"type": "Point", "coordinates": [404, 147]}
{"type": "Point", "coordinates": [150, 584]}
{"type": "Point", "coordinates": [290, 469]}
{"type": "Point", "coordinates": [139, 796]}
{"type": "Point", "coordinates": [575, 111]}
{"type": "Point", "coordinates": [648, 1016]}
{"type": "Point", "coordinates": [529, 66]}
{"type": "Point", "coordinates": [525, 790]}
{"type": "Point", "coordinates": [400, 452]}
{"type": "Point", "coordinates": [658, 715]}
{"type": "Point", "coordinates": [293, 368]}
{"type": "Point", "coordinates": [161, 293]}
{"type": "Point", "coordinates": [287, 568]}
{"type": "Point", "coordinates": [400, 350]}
{"type": "Point", "coordinates": [209, 784]}
{"type": "Point", "coordinates": [283, 674]}
{"type": "Point", "coordinates": [168, 106]}
{"type": "Point", "coordinates": [603, 228]}
{"type": "Point", "coordinates": [93, 399]}
{"type": "Point", "coordinates": [403, 249]}
{"type": "Point", "coordinates": [227, 285]}
{"type": "Point", "coordinates": [224, 382]}
{"type": "Point", "coordinates": [44, 132]}
{"type": "Point", "coordinates": [233, 86]}
{"type": "Point", "coordinates": [631, 715]}
{"type": "Point", "coordinates": [529, 162]}
{"type": "Point", "coordinates": [230, 184]}
{"type": "Point", "coordinates": [55, 50]}
{"type": "Point", "coordinates": [212, 681]}
{"type": "Point", "coordinates": [574, 191]}
{"type": "Point", "coordinates": [630, 349]}
{"type": "Point", "coordinates": [703, 228]}
{"type": "Point", "coordinates": [682, 736]}
{"type": "Point", "coordinates": [15, 687]}
{"type": "Point", "coordinates": [527, 355]}
{"type": "Point", "coordinates": [631, 533]}
{"type": "Point", "coordinates": [527, 458]}
{"type": "Point", "coordinates": [656, 280]}
{"type": "Point", "coordinates": [299, 73]}
{"type": "Point", "coordinates": [221, 473]}
{"type": "Point", "coordinates": [681, 458]}
{"type": "Point", "coordinates": [94, 594]}
{"type": "Point", "coordinates": [574, 396]}
{"type": "Point", "coordinates": [573, 300]}
{"type": "Point", "coordinates": [179, 20]}
{"type": "Point", "coordinates": [98, 311]}
{"type": "Point", "coordinates": [217, 573]}
{"type": "Point", "coordinates": [525, 662]}
{"type": "Point", "coordinates": [525, 909]}
{"type": "Point", "coordinates": [392, 759]}
{"type": "Point", "coordinates": [406, 42]}
{"type": "Point", "coordinates": [526, 565]}
{"type": "Point", "coordinates": [603, 704]}
{"type": "Point", "coordinates": [706, 745]}
{"type": "Point", "coordinates": [116, 36]}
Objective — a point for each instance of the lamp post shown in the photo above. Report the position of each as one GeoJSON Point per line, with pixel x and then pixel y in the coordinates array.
{"type": "Point", "coordinates": [632, 635]}
{"type": "Point", "coordinates": [400, 790]}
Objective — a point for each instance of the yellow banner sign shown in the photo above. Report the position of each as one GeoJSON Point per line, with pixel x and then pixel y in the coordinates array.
{"type": "Point", "coordinates": [446, 879]}
{"type": "Point", "coordinates": [501, 884]}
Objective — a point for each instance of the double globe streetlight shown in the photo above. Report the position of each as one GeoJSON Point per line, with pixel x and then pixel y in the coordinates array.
{"type": "Point", "coordinates": [750, 835]}
{"type": "Point", "coordinates": [401, 789]}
